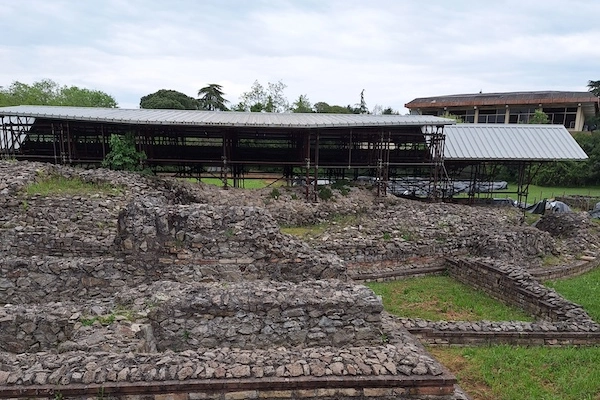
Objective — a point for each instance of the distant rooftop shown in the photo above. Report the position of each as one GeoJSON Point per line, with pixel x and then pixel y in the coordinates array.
{"type": "Point", "coordinates": [508, 98]}
{"type": "Point", "coordinates": [219, 118]}
{"type": "Point", "coordinates": [510, 142]}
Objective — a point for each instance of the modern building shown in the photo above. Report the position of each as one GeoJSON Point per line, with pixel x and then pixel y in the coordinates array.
{"type": "Point", "coordinates": [570, 109]}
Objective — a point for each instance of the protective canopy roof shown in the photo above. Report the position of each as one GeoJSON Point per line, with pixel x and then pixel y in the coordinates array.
{"type": "Point", "coordinates": [510, 142]}
{"type": "Point", "coordinates": [219, 118]}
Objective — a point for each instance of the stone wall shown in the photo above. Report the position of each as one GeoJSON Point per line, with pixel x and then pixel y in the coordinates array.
{"type": "Point", "coordinates": [516, 286]}
{"type": "Point", "coordinates": [397, 366]}
{"type": "Point", "coordinates": [260, 314]}
{"type": "Point", "coordinates": [163, 288]}
{"type": "Point", "coordinates": [245, 241]}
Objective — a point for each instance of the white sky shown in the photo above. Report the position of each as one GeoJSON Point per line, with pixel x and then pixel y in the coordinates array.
{"type": "Point", "coordinates": [330, 50]}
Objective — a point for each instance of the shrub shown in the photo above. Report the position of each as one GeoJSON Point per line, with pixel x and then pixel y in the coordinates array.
{"type": "Point", "coordinates": [275, 193]}
{"type": "Point", "coordinates": [325, 193]}
{"type": "Point", "coordinates": [123, 154]}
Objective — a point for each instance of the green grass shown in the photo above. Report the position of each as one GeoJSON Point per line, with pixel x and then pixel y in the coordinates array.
{"type": "Point", "coordinates": [313, 231]}
{"type": "Point", "coordinates": [304, 232]}
{"type": "Point", "coordinates": [247, 183]}
{"type": "Point", "coordinates": [442, 298]}
{"type": "Point", "coordinates": [60, 185]}
{"type": "Point", "coordinates": [537, 193]}
{"type": "Point", "coordinates": [513, 373]}
{"type": "Point", "coordinates": [583, 290]}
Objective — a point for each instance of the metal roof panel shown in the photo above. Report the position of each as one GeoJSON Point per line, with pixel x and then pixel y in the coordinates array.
{"type": "Point", "coordinates": [215, 118]}
{"type": "Point", "coordinates": [510, 142]}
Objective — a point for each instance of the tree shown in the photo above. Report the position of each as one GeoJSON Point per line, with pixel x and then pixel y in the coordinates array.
{"type": "Point", "coordinates": [302, 105]}
{"type": "Point", "coordinates": [123, 154]}
{"type": "Point", "coordinates": [539, 117]}
{"type": "Point", "coordinates": [211, 98]}
{"type": "Point", "coordinates": [259, 99]}
{"type": "Point", "coordinates": [594, 87]}
{"type": "Point", "coordinates": [169, 99]}
{"type": "Point", "coordinates": [456, 118]}
{"type": "Point", "coordinates": [74, 96]}
{"type": "Point", "coordinates": [362, 106]}
{"type": "Point", "coordinates": [574, 173]}
{"type": "Point", "coordinates": [322, 107]}
{"type": "Point", "coordinates": [390, 111]}
{"type": "Point", "coordinates": [47, 92]}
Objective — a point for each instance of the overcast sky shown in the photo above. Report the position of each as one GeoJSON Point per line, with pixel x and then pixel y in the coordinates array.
{"type": "Point", "coordinates": [330, 50]}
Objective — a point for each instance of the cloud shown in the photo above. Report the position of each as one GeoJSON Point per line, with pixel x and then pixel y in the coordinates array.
{"type": "Point", "coordinates": [395, 50]}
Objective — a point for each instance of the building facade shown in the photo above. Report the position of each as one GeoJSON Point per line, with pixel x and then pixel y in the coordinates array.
{"type": "Point", "coordinates": [570, 109]}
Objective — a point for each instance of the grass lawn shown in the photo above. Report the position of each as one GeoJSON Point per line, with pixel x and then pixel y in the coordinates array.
{"type": "Point", "coordinates": [583, 290]}
{"type": "Point", "coordinates": [59, 185]}
{"type": "Point", "coordinates": [502, 372]}
{"type": "Point", "coordinates": [442, 298]}
{"type": "Point", "coordinates": [247, 183]}
{"type": "Point", "coordinates": [537, 193]}
{"type": "Point", "coordinates": [514, 373]}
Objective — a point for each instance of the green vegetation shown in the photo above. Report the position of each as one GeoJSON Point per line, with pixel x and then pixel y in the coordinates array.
{"type": "Point", "coordinates": [566, 174]}
{"type": "Point", "coordinates": [483, 372]}
{"type": "Point", "coordinates": [60, 185]}
{"type": "Point", "coordinates": [275, 193]}
{"type": "Point", "coordinates": [442, 298]}
{"type": "Point", "coordinates": [247, 183]}
{"type": "Point", "coordinates": [343, 186]}
{"type": "Point", "coordinates": [123, 155]}
{"type": "Point", "coordinates": [49, 93]}
{"type": "Point", "coordinates": [325, 193]}
{"type": "Point", "coordinates": [305, 232]}
{"type": "Point", "coordinates": [537, 193]}
{"type": "Point", "coordinates": [211, 98]}
{"type": "Point", "coordinates": [515, 373]}
{"type": "Point", "coordinates": [313, 231]}
{"type": "Point", "coordinates": [104, 320]}
{"type": "Point", "coordinates": [539, 117]}
{"type": "Point", "coordinates": [169, 99]}
{"type": "Point", "coordinates": [582, 290]}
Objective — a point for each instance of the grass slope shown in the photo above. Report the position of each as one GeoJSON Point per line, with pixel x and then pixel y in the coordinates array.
{"type": "Point", "coordinates": [515, 373]}
{"type": "Point", "coordinates": [442, 298]}
{"type": "Point", "coordinates": [583, 290]}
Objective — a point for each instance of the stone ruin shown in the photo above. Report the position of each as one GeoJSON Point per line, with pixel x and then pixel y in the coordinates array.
{"type": "Point", "coordinates": [163, 288]}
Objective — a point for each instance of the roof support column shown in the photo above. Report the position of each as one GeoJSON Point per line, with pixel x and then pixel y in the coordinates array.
{"type": "Point", "coordinates": [316, 168]}
{"type": "Point", "coordinates": [54, 142]}
{"type": "Point", "coordinates": [579, 118]}
{"type": "Point", "coordinates": [225, 158]}
{"type": "Point", "coordinates": [307, 159]}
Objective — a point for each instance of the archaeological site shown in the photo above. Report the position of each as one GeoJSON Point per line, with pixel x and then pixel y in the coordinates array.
{"type": "Point", "coordinates": [159, 288]}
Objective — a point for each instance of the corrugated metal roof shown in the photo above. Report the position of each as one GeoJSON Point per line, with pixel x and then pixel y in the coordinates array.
{"type": "Point", "coordinates": [510, 142]}
{"type": "Point", "coordinates": [218, 118]}
{"type": "Point", "coordinates": [508, 98]}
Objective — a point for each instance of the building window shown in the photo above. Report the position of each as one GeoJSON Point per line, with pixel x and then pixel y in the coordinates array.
{"type": "Point", "coordinates": [467, 116]}
{"type": "Point", "coordinates": [562, 116]}
{"type": "Point", "coordinates": [520, 115]}
{"type": "Point", "coordinates": [493, 116]}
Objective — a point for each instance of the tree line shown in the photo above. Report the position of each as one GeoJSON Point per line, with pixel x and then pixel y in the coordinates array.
{"type": "Point", "coordinates": [259, 98]}
{"type": "Point", "coordinates": [49, 93]}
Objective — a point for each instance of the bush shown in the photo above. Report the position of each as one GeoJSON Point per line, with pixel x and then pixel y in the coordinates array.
{"type": "Point", "coordinates": [325, 193]}
{"type": "Point", "coordinates": [123, 154]}
{"type": "Point", "coordinates": [275, 193]}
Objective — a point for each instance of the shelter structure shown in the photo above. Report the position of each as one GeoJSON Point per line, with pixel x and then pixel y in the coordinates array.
{"type": "Point", "coordinates": [474, 152]}
{"type": "Point", "coordinates": [413, 155]}
{"type": "Point", "coordinates": [231, 145]}
{"type": "Point", "coordinates": [570, 109]}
